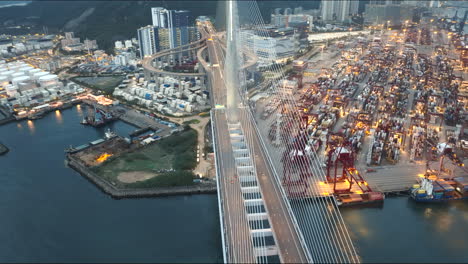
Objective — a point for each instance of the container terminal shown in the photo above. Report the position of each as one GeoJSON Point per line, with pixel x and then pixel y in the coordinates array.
{"type": "Point", "coordinates": [386, 114]}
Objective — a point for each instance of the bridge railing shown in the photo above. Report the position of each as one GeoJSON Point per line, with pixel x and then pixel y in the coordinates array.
{"type": "Point", "coordinates": [220, 196]}
{"type": "Point", "coordinates": [283, 194]}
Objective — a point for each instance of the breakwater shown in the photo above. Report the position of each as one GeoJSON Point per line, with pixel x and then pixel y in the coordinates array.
{"type": "Point", "coordinates": [118, 193]}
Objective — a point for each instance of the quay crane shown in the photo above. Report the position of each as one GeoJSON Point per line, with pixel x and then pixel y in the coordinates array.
{"type": "Point", "coordinates": [342, 173]}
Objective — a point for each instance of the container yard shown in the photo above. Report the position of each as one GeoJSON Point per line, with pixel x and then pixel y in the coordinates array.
{"type": "Point", "coordinates": [385, 116]}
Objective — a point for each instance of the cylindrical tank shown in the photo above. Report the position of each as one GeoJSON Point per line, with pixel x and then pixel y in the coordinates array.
{"type": "Point", "coordinates": [48, 80]}
{"type": "Point", "coordinates": [26, 69]}
{"type": "Point", "coordinates": [16, 75]}
{"type": "Point", "coordinates": [23, 82]}
{"type": "Point", "coordinates": [7, 74]}
{"type": "Point", "coordinates": [34, 71]}
{"type": "Point", "coordinates": [38, 75]}
{"type": "Point", "coordinates": [11, 90]}
{"type": "Point", "coordinates": [3, 81]}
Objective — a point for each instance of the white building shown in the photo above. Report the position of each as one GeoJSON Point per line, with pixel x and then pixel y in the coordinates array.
{"type": "Point", "coordinates": [338, 10]}
{"type": "Point", "coordinates": [148, 39]}
{"type": "Point", "coordinates": [118, 44]}
{"type": "Point", "coordinates": [159, 17]}
{"type": "Point", "coordinates": [270, 50]}
{"type": "Point", "coordinates": [128, 44]}
{"type": "Point", "coordinates": [90, 44]}
{"type": "Point", "coordinates": [120, 60]}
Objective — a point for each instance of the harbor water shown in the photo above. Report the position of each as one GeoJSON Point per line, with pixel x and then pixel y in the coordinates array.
{"type": "Point", "coordinates": [52, 214]}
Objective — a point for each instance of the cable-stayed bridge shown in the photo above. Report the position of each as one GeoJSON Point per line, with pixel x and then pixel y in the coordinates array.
{"type": "Point", "coordinates": [269, 212]}
{"type": "Point", "coordinates": [272, 206]}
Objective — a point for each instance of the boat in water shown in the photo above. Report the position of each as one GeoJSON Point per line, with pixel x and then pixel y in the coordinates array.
{"type": "Point", "coordinates": [109, 134]}
{"type": "Point", "coordinates": [440, 190]}
{"type": "Point", "coordinates": [66, 105]}
{"type": "Point", "coordinates": [36, 115]}
{"type": "Point", "coordinates": [97, 117]}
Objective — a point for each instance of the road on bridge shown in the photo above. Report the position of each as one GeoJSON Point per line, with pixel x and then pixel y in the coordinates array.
{"type": "Point", "coordinates": [286, 236]}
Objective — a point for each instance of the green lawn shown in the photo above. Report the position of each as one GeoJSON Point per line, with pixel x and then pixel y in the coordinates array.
{"type": "Point", "coordinates": [193, 121]}
{"type": "Point", "coordinates": [177, 152]}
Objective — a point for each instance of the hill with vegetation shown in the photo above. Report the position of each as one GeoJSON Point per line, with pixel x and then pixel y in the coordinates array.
{"type": "Point", "coordinates": [106, 21]}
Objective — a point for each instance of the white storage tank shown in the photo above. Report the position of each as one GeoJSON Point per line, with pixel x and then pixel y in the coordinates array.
{"type": "Point", "coordinates": [16, 74]}
{"type": "Point", "coordinates": [21, 79]}
{"type": "Point", "coordinates": [34, 71]}
{"type": "Point", "coordinates": [7, 74]}
{"type": "Point", "coordinates": [38, 75]}
{"type": "Point", "coordinates": [3, 81]}
{"type": "Point", "coordinates": [48, 80]}
{"type": "Point", "coordinates": [25, 70]}
{"type": "Point", "coordinates": [11, 90]}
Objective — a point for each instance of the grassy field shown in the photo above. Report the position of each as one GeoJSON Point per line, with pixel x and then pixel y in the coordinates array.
{"type": "Point", "coordinates": [106, 84]}
{"type": "Point", "coordinates": [177, 152]}
{"type": "Point", "coordinates": [192, 121]}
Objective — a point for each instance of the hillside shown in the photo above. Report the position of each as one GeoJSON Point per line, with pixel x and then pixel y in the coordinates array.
{"type": "Point", "coordinates": [106, 21]}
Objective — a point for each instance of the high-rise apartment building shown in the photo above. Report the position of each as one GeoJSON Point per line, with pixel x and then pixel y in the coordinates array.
{"type": "Point", "coordinates": [176, 21]}
{"type": "Point", "coordinates": [148, 38]}
{"type": "Point", "coordinates": [338, 10]}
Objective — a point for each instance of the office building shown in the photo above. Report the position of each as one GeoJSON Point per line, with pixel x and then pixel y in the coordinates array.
{"type": "Point", "coordinates": [332, 10]}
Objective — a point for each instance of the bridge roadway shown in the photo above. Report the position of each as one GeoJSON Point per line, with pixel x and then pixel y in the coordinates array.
{"type": "Point", "coordinates": [148, 61]}
{"type": "Point", "coordinates": [286, 236]}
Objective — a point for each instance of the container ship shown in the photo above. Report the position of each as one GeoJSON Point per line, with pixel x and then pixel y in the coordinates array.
{"type": "Point", "coordinates": [440, 190]}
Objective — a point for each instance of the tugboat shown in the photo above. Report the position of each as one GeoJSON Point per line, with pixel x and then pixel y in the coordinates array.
{"type": "Point", "coordinates": [84, 121]}
{"type": "Point", "coordinates": [109, 134]}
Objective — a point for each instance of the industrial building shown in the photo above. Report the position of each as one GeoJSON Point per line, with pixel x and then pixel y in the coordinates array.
{"type": "Point", "coordinates": [390, 13]}
{"type": "Point", "coordinates": [280, 45]}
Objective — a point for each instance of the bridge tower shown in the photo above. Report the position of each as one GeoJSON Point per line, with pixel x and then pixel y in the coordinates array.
{"type": "Point", "coordinates": [232, 62]}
